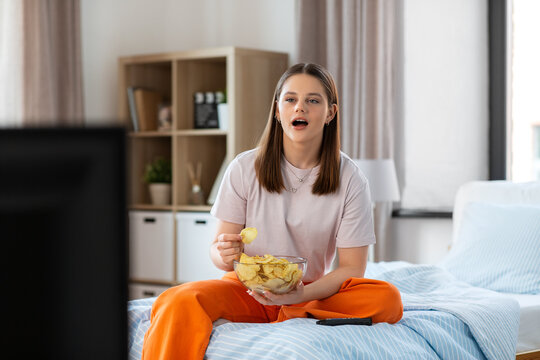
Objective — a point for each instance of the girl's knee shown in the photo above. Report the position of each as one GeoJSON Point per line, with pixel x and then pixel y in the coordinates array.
{"type": "Point", "coordinates": [177, 298]}
{"type": "Point", "coordinates": [392, 293]}
{"type": "Point", "coordinates": [393, 306]}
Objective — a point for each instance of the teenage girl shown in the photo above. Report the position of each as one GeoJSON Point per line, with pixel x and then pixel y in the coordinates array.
{"type": "Point", "coordinates": [306, 198]}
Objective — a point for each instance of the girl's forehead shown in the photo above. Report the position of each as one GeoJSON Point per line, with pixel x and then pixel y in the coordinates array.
{"type": "Point", "coordinates": [302, 84]}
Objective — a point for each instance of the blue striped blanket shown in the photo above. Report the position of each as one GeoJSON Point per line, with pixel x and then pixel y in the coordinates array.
{"type": "Point", "coordinates": [443, 319]}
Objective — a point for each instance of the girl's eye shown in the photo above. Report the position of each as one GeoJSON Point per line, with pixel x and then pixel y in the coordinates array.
{"type": "Point", "coordinates": [289, 99]}
{"type": "Point", "coordinates": [313, 101]}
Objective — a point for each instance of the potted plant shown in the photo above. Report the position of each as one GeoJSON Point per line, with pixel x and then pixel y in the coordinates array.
{"type": "Point", "coordinates": [158, 176]}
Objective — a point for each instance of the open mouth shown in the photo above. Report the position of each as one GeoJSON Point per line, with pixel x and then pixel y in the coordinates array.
{"type": "Point", "coordinates": [299, 122]}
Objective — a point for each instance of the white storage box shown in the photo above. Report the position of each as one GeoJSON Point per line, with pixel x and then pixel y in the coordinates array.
{"type": "Point", "coordinates": [151, 250]}
{"type": "Point", "coordinates": [195, 233]}
{"type": "Point", "coordinates": [141, 291]}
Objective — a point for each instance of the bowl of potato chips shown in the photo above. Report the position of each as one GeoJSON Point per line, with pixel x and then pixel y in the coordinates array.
{"type": "Point", "coordinates": [278, 274]}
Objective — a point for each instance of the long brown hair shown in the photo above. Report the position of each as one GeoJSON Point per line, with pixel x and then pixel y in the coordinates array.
{"type": "Point", "coordinates": [270, 147]}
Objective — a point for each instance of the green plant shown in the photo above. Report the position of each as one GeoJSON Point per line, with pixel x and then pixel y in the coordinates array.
{"type": "Point", "coordinates": [158, 171]}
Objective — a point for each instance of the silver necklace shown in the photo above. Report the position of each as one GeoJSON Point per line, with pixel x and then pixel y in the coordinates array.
{"type": "Point", "coordinates": [301, 180]}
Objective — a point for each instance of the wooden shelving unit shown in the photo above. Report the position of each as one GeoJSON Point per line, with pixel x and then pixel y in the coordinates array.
{"type": "Point", "coordinates": [249, 77]}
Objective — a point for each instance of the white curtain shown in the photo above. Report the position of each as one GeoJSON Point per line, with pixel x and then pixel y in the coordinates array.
{"type": "Point", "coordinates": [40, 63]}
{"type": "Point", "coordinates": [358, 41]}
{"type": "Point", "coordinates": [11, 65]}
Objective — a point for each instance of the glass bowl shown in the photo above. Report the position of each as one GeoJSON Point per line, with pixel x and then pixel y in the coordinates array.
{"type": "Point", "coordinates": [261, 273]}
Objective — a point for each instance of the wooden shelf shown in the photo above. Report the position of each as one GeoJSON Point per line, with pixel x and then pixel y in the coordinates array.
{"type": "Point", "coordinates": [150, 134]}
{"type": "Point", "coordinates": [177, 76]}
{"type": "Point", "coordinates": [200, 132]}
{"type": "Point", "coordinates": [151, 207]}
{"type": "Point", "coordinates": [191, 132]}
{"type": "Point", "coordinates": [193, 208]}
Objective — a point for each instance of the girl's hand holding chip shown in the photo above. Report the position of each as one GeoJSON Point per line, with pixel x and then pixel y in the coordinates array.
{"type": "Point", "coordinates": [230, 247]}
{"type": "Point", "coordinates": [295, 296]}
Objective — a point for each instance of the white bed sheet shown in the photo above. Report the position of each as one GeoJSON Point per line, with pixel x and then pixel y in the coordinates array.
{"type": "Point", "coordinates": [529, 322]}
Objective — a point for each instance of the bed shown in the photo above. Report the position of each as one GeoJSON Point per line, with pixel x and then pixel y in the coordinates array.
{"type": "Point", "coordinates": [482, 301]}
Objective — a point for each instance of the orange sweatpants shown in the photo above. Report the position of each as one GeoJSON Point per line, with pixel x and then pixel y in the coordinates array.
{"type": "Point", "coordinates": [182, 316]}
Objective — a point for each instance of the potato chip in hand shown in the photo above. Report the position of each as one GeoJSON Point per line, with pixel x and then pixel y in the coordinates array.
{"type": "Point", "coordinates": [248, 235]}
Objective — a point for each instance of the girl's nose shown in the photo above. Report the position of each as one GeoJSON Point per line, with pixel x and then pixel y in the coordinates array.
{"type": "Point", "coordinates": [299, 106]}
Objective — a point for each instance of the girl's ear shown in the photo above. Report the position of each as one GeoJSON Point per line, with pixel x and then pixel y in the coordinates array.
{"type": "Point", "coordinates": [332, 110]}
{"type": "Point", "coordinates": [276, 113]}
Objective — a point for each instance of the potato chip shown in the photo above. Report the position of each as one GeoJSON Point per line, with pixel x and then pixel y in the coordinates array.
{"type": "Point", "coordinates": [268, 270]}
{"type": "Point", "coordinates": [248, 235]}
{"type": "Point", "coordinates": [278, 271]}
{"type": "Point", "coordinates": [274, 283]}
{"type": "Point", "coordinates": [266, 259]}
{"type": "Point", "coordinates": [288, 272]}
{"type": "Point", "coordinates": [244, 259]}
{"type": "Point", "coordinates": [297, 275]}
{"type": "Point", "coordinates": [247, 271]}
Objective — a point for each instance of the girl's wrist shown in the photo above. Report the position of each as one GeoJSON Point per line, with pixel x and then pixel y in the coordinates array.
{"type": "Point", "coordinates": [307, 293]}
{"type": "Point", "coordinates": [217, 260]}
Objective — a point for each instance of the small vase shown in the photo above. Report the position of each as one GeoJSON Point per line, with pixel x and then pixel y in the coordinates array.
{"type": "Point", "coordinates": [223, 116]}
{"type": "Point", "coordinates": [196, 197]}
{"type": "Point", "coordinates": [160, 194]}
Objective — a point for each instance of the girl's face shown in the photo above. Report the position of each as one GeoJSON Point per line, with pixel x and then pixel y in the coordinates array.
{"type": "Point", "coordinates": [303, 109]}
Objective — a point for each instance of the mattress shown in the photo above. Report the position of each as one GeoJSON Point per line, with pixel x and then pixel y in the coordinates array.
{"type": "Point", "coordinates": [529, 322]}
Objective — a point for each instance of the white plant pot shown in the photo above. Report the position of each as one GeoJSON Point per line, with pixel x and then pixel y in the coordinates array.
{"type": "Point", "coordinates": [160, 194]}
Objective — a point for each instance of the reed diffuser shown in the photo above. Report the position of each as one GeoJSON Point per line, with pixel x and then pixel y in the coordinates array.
{"type": "Point", "coordinates": [196, 196]}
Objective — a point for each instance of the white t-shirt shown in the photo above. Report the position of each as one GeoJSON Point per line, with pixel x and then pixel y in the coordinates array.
{"type": "Point", "coordinates": [297, 223]}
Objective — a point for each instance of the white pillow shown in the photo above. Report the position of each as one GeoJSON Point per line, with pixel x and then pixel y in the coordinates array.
{"type": "Point", "coordinates": [498, 248]}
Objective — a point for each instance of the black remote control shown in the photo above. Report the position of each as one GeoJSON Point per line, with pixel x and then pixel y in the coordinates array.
{"type": "Point", "coordinates": [345, 321]}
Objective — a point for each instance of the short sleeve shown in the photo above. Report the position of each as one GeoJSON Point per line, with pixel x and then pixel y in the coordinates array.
{"type": "Point", "coordinates": [356, 227]}
{"type": "Point", "coordinates": [230, 204]}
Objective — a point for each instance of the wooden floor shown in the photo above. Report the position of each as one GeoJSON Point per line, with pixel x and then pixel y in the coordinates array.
{"type": "Point", "coordinates": [529, 355]}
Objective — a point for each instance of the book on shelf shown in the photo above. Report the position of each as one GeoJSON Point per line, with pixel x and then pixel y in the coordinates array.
{"type": "Point", "coordinates": [132, 108]}
{"type": "Point", "coordinates": [144, 108]}
{"type": "Point", "coordinates": [147, 107]}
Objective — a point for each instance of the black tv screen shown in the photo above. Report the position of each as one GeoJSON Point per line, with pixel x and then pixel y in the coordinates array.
{"type": "Point", "coordinates": [63, 243]}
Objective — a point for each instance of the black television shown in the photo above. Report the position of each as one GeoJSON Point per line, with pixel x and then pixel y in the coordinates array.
{"type": "Point", "coordinates": [63, 243]}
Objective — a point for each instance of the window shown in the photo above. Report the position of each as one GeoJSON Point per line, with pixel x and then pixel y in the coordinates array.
{"type": "Point", "coordinates": [524, 87]}
{"type": "Point", "coordinates": [514, 84]}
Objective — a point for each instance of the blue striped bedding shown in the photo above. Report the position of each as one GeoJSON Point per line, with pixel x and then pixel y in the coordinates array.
{"type": "Point", "coordinates": [443, 319]}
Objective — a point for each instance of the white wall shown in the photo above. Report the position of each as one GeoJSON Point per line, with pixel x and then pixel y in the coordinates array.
{"type": "Point", "coordinates": [113, 28]}
{"type": "Point", "coordinates": [420, 240]}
